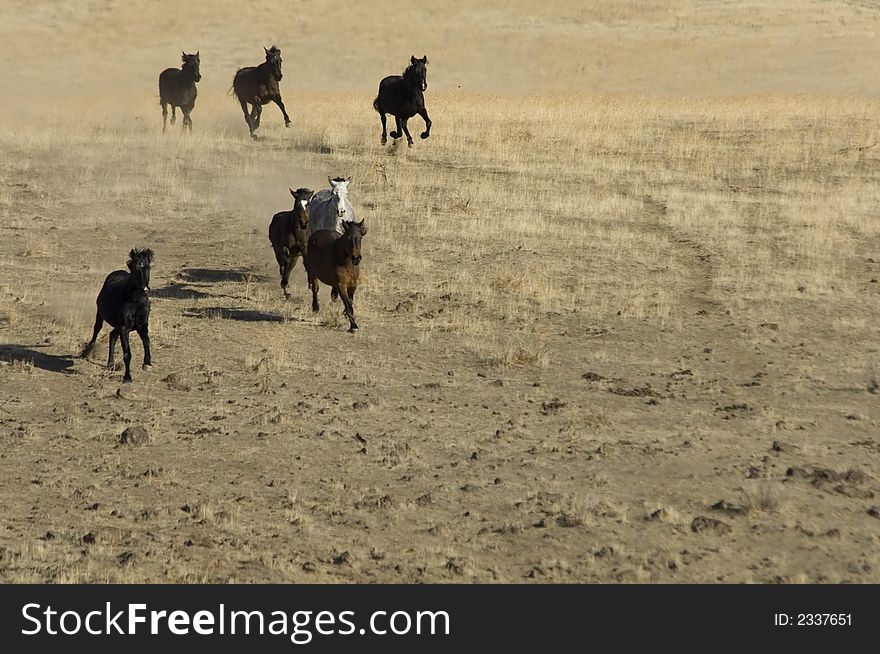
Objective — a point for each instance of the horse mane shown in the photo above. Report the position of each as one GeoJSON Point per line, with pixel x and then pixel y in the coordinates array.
{"type": "Point", "coordinates": [141, 253]}
{"type": "Point", "coordinates": [410, 67]}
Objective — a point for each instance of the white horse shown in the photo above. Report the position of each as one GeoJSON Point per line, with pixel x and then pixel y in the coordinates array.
{"type": "Point", "coordinates": [329, 208]}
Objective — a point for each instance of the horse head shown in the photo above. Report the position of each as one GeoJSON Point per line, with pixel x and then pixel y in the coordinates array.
{"type": "Point", "coordinates": [139, 262]}
{"type": "Point", "coordinates": [301, 197]}
{"type": "Point", "coordinates": [351, 240]}
{"type": "Point", "coordinates": [191, 61]}
{"type": "Point", "coordinates": [339, 195]}
{"type": "Point", "coordinates": [417, 72]}
{"type": "Point", "coordinates": [273, 58]}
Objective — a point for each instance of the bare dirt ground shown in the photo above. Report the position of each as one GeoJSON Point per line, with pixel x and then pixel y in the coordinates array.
{"type": "Point", "coordinates": [619, 314]}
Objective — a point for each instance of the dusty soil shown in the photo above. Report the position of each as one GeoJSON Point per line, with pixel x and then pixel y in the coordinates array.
{"type": "Point", "coordinates": [621, 329]}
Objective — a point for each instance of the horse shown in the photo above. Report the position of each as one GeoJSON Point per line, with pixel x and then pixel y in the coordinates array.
{"type": "Point", "coordinates": [330, 208]}
{"type": "Point", "coordinates": [289, 234]}
{"type": "Point", "coordinates": [124, 302]}
{"type": "Point", "coordinates": [402, 96]}
{"type": "Point", "coordinates": [177, 87]}
{"type": "Point", "coordinates": [334, 259]}
{"type": "Point", "coordinates": [258, 85]}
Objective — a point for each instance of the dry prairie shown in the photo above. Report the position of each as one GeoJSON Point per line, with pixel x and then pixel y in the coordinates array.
{"type": "Point", "coordinates": [619, 314]}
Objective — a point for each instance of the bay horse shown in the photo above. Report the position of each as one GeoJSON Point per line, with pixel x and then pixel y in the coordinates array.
{"type": "Point", "coordinates": [289, 234]}
{"type": "Point", "coordinates": [124, 302]}
{"type": "Point", "coordinates": [258, 85]}
{"type": "Point", "coordinates": [402, 96]}
{"type": "Point", "coordinates": [177, 87]}
{"type": "Point", "coordinates": [334, 259]}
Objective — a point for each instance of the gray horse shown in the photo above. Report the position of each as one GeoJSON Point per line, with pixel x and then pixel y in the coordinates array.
{"type": "Point", "coordinates": [329, 208]}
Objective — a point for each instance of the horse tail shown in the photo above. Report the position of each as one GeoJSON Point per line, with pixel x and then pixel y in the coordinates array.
{"type": "Point", "coordinates": [232, 90]}
{"type": "Point", "coordinates": [376, 104]}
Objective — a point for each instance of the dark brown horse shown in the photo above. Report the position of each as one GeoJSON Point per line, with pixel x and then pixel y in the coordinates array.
{"type": "Point", "coordinates": [403, 97]}
{"type": "Point", "coordinates": [334, 259]}
{"type": "Point", "coordinates": [177, 87]}
{"type": "Point", "coordinates": [289, 234]}
{"type": "Point", "coordinates": [258, 85]}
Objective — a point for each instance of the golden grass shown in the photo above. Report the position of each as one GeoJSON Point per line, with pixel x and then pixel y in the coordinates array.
{"type": "Point", "coordinates": [601, 205]}
{"type": "Point", "coordinates": [596, 225]}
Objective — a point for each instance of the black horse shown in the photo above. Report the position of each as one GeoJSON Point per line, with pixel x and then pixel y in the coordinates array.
{"type": "Point", "coordinates": [258, 85]}
{"type": "Point", "coordinates": [177, 87]}
{"type": "Point", "coordinates": [125, 304]}
{"type": "Point", "coordinates": [289, 234]}
{"type": "Point", "coordinates": [402, 96]}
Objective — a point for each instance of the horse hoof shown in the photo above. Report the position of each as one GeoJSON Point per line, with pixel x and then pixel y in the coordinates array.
{"type": "Point", "coordinates": [409, 144]}
{"type": "Point", "coordinates": [126, 381]}
{"type": "Point", "coordinates": [394, 135]}
{"type": "Point", "coordinates": [288, 124]}
{"type": "Point", "coordinates": [384, 140]}
{"type": "Point", "coordinates": [353, 330]}
{"type": "Point", "coordinates": [424, 135]}
{"type": "Point", "coordinates": [147, 367]}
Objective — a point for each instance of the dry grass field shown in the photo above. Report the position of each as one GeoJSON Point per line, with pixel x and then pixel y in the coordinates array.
{"type": "Point", "coordinates": [620, 314]}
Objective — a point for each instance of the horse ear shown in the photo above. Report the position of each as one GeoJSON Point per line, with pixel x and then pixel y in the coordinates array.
{"type": "Point", "coordinates": [291, 191]}
{"type": "Point", "coordinates": [362, 227]}
{"type": "Point", "coordinates": [425, 59]}
{"type": "Point", "coordinates": [412, 59]}
{"type": "Point", "coordinates": [197, 54]}
{"type": "Point", "coordinates": [348, 180]}
{"type": "Point", "coordinates": [330, 179]}
{"type": "Point", "coordinates": [266, 49]}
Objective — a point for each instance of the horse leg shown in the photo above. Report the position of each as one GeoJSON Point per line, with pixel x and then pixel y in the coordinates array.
{"type": "Point", "coordinates": [349, 308]}
{"type": "Point", "coordinates": [396, 134]}
{"type": "Point", "coordinates": [258, 112]}
{"type": "Point", "coordinates": [99, 322]}
{"type": "Point", "coordinates": [286, 267]}
{"type": "Point", "coordinates": [173, 115]}
{"type": "Point", "coordinates": [187, 121]}
{"type": "Point", "coordinates": [126, 354]}
{"type": "Point", "coordinates": [313, 283]}
{"type": "Point", "coordinates": [144, 333]}
{"type": "Point", "coordinates": [280, 104]}
{"type": "Point", "coordinates": [280, 258]}
{"type": "Point", "coordinates": [164, 115]}
{"type": "Point", "coordinates": [384, 128]}
{"type": "Point", "coordinates": [424, 114]}
{"type": "Point", "coordinates": [247, 116]}
{"type": "Point", "coordinates": [114, 336]}
{"type": "Point", "coordinates": [409, 140]}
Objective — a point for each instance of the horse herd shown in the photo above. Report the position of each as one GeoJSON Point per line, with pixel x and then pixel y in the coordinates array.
{"type": "Point", "coordinates": [330, 246]}
{"type": "Point", "coordinates": [402, 96]}
{"type": "Point", "coordinates": [321, 228]}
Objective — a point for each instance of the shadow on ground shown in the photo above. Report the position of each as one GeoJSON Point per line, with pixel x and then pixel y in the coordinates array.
{"type": "Point", "coordinates": [215, 275]}
{"type": "Point", "coordinates": [225, 313]}
{"type": "Point", "coordinates": [41, 360]}
{"type": "Point", "coordinates": [175, 291]}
